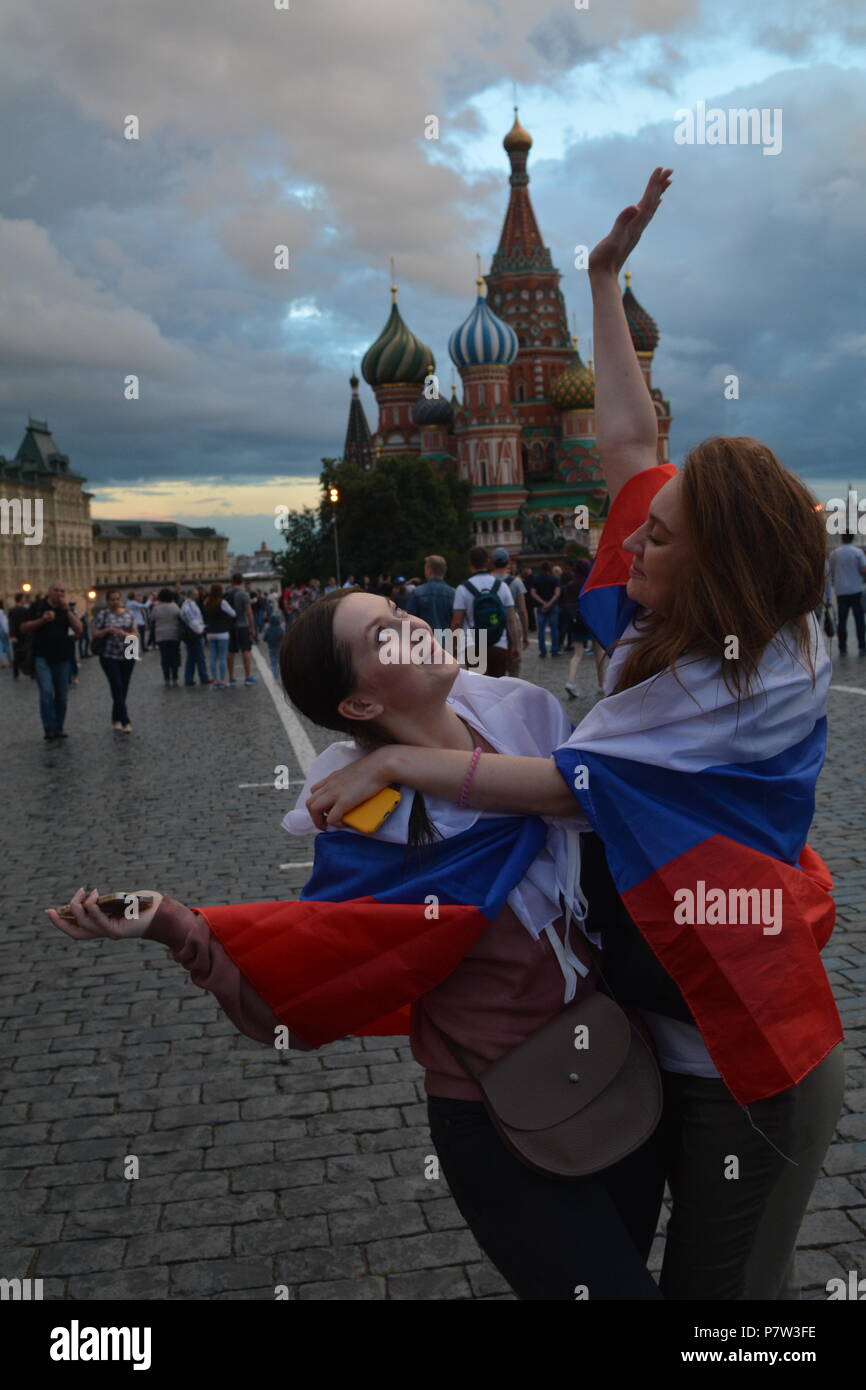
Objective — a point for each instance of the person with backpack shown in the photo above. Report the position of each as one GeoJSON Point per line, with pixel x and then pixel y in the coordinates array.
{"type": "Point", "coordinates": [484, 608]}
{"type": "Point", "coordinates": [501, 562]}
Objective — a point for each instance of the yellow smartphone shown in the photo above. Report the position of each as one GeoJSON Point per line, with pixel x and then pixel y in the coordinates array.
{"type": "Point", "coordinates": [373, 812]}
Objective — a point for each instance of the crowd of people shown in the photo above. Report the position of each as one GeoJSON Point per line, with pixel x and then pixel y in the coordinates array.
{"type": "Point", "coordinates": [203, 629]}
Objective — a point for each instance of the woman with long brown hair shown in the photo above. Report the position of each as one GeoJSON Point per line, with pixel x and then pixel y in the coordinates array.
{"type": "Point", "coordinates": [697, 774]}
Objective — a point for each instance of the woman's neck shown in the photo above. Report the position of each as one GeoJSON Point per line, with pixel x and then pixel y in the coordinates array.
{"type": "Point", "coordinates": [437, 727]}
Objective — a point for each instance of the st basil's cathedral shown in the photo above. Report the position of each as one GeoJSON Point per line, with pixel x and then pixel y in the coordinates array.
{"type": "Point", "coordinates": [524, 432]}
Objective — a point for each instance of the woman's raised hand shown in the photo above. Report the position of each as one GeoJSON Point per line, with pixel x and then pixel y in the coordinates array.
{"type": "Point", "coordinates": [330, 799]}
{"type": "Point", "coordinates": [91, 921]}
{"type": "Point", "coordinates": [613, 251]}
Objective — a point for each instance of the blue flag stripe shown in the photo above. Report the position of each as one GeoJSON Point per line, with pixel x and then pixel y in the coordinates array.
{"type": "Point", "coordinates": [649, 815]}
{"type": "Point", "coordinates": [477, 868]}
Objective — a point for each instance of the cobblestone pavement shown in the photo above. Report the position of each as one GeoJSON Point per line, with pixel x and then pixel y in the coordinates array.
{"type": "Point", "coordinates": [259, 1168]}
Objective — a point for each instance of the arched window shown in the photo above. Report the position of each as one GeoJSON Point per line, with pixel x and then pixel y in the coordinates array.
{"type": "Point", "coordinates": [524, 458]}
{"type": "Point", "coordinates": [520, 390]}
{"type": "Point", "coordinates": [550, 453]}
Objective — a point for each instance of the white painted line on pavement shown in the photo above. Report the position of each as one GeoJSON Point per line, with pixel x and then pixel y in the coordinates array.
{"type": "Point", "coordinates": [298, 738]}
{"type": "Point", "coordinates": [295, 782]}
{"type": "Point", "coordinates": [850, 689]}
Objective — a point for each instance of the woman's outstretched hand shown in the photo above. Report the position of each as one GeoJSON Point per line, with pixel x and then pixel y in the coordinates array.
{"type": "Point", "coordinates": [330, 799]}
{"type": "Point", "coordinates": [91, 921]}
{"type": "Point", "coordinates": [613, 251]}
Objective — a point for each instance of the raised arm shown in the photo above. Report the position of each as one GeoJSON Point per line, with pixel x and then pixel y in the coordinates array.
{"type": "Point", "coordinates": [626, 426]}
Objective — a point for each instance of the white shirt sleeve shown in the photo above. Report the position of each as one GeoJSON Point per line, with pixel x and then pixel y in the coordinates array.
{"type": "Point", "coordinates": [336, 755]}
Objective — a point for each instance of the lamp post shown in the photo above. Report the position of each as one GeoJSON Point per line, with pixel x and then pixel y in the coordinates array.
{"type": "Point", "coordinates": [334, 497]}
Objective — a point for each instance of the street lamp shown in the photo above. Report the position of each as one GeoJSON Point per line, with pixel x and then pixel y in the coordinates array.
{"type": "Point", "coordinates": [334, 497]}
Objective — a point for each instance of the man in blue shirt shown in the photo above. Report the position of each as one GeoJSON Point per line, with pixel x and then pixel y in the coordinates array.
{"type": "Point", "coordinates": [434, 599]}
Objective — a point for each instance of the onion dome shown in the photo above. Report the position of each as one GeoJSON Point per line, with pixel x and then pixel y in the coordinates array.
{"type": "Point", "coordinates": [437, 411]}
{"type": "Point", "coordinates": [575, 389]}
{"type": "Point", "coordinates": [517, 138]}
{"type": "Point", "coordinates": [397, 356]}
{"type": "Point", "coordinates": [483, 339]}
{"type": "Point", "coordinates": [643, 329]}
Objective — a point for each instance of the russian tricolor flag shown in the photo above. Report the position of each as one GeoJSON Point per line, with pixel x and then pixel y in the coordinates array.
{"type": "Point", "coordinates": [704, 804]}
{"type": "Point", "coordinates": [377, 925]}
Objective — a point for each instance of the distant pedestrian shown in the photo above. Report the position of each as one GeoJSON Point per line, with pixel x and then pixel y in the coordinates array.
{"type": "Point", "coordinates": [219, 619]}
{"type": "Point", "coordinates": [5, 644]}
{"type": "Point", "coordinates": [847, 570]}
{"type": "Point", "coordinates": [192, 629]}
{"type": "Point", "coordinates": [166, 625]}
{"type": "Point", "coordinates": [241, 636]}
{"type": "Point", "coordinates": [546, 592]}
{"type": "Point", "coordinates": [84, 639]}
{"type": "Point", "coordinates": [116, 636]}
{"type": "Point", "coordinates": [17, 615]}
{"type": "Point", "coordinates": [484, 608]}
{"type": "Point", "coordinates": [149, 606]}
{"type": "Point", "coordinates": [502, 570]}
{"type": "Point", "coordinates": [274, 634]}
{"type": "Point", "coordinates": [434, 599]}
{"type": "Point", "coordinates": [578, 634]}
{"type": "Point", "coordinates": [139, 611]}
{"type": "Point", "coordinates": [48, 623]}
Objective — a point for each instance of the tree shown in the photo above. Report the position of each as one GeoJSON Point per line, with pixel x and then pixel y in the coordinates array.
{"type": "Point", "coordinates": [392, 516]}
{"type": "Point", "coordinates": [302, 558]}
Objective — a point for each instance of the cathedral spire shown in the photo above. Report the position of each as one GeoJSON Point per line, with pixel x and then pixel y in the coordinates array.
{"type": "Point", "coordinates": [358, 447]}
{"type": "Point", "coordinates": [520, 245]}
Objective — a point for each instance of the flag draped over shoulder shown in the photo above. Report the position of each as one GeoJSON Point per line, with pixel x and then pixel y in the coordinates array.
{"type": "Point", "coordinates": [704, 803]}
{"type": "Point", "coordinates": [377, 926]}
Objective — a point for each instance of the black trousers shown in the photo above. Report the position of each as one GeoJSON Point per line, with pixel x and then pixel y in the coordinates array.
{"type": "Point", "coordinates": [118, 671]}
{"type": "Point", "coordinates": [741, 1178]}
{"type": "Point", "coordinates": [851, 603]}
{"type": "Point", "coordinates": [551, 1238]}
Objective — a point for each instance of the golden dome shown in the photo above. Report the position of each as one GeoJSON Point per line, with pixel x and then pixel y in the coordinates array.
{"type": "Point", "coordinates": [517, 138]}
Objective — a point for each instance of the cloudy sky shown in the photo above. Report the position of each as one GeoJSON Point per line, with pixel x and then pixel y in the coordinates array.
{"type": "Point", "coordinates": [305, 126]}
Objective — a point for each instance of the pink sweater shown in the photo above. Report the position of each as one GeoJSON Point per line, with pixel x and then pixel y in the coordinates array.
{"type": "Point", "coordinates": [506, 988]}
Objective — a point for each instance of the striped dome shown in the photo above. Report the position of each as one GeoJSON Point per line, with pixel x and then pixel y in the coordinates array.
{"type": "Point", "coordinates": [397, 355]}
{"type": "Point", "coordinates": [435, 412]}
{"type": "Point", "coordinates": [643, 329]}
{"type": "Point", "coordinates": [483, 340]}
{"type": "Point", "coordinates": [575, 389]}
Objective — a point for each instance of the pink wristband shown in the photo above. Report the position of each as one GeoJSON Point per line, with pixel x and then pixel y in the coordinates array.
{"type": "Point", "coordinates": [473, 763]}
